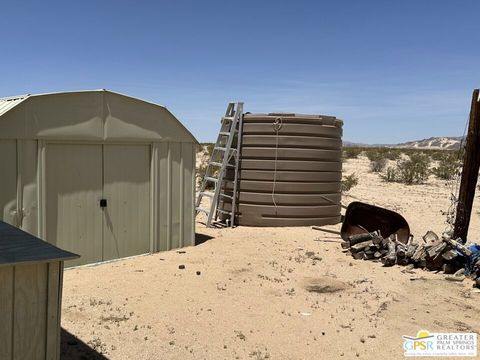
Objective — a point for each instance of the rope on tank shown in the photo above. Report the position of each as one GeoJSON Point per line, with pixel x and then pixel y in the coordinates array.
{"type": "Point", "coordinates": [277, 125]}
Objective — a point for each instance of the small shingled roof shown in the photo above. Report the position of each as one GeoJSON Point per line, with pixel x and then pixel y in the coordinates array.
{"type": "Point", "coordinates": [19, 247]}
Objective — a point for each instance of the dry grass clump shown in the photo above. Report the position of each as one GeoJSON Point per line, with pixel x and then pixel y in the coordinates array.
{"type": "Point", "coordinates": [349, 182]}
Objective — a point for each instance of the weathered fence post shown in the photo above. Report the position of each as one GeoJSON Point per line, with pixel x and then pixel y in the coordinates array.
{"type": "Point", "coordinates": [471, 165]}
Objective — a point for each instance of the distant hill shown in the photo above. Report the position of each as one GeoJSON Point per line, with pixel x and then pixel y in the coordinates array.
{"type": "Point", "coordinates": [444, 142]}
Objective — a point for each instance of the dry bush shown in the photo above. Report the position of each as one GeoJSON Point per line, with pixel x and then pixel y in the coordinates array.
{"type": "Point", "coordinates": [378, 166]}
{"type": "Point", "coordinates": [349, 182]}
{"type": "Point", "coordinates": [393, 154]}
{"type": "Point", "coordinates": [414, 170]}
{"type": "Point", "coordinates": [448, 166]}
{"type": "Point", "coordinates": [373, 154]}
{"type": "Point", "coordinates": [390, 175]}
{"type": "Point", "coordinates": [383, 153]}
{"type": "Point", "coordinates": [208, 147]}
{"type": "Point", "coordinates": [377, 159]}
{"type": "Point", "coordinates": [351, 152]}
{"type": "Point", "coordinates": [202, 169]}
{"type": "Point", "coordinates": [437, 155]}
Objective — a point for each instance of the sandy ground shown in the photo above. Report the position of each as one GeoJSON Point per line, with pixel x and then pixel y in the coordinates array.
{"type": "Point", "coordinates": [269, 293]}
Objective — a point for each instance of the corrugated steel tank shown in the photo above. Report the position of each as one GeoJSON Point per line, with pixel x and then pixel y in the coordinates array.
{"type": "Point", "coordinates": [290, 170]}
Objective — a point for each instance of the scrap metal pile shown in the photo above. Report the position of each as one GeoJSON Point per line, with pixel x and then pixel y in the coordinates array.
{"type": "Point", "coordinates": [391, 243]}
{"type": "Point", "coordinates": [433, 253]}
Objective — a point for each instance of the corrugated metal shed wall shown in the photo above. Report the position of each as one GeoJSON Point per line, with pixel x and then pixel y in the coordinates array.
{"type": "Point", "coordinates": [31, 273]}
{"type": "Point", "coordinates": [176, 174]}
{"type": "Point", "coordinates": [173, 162]}
{"type": "Point", "coordinates": [30, 328]}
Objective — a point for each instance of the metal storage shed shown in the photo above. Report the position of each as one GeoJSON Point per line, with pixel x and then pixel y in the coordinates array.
{"type": "Point", "coordinates": [98, 173]}
{"type": "Point", "coordinates": [31, 273]}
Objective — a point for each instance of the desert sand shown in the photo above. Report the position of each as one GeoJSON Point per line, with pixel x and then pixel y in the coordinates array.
{"type": "Point", "coordinates": [270, 293]}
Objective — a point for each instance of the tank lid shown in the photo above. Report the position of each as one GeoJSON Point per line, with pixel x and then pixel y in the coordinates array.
{"type": "Point", "coordinates": [286, 114]}
{"type": "Point", "coordinates": [327, 120]}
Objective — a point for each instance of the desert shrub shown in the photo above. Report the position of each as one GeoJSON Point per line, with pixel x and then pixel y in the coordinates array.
{"type": "Point", "coordinates": [378, 165]}
{"type": "Point", "coordinates": [437, 155]}
{"type": "Point", "coordinates": [351, 152]}
{"type": "Point", "coordinates": [377, 159]}
{"type": "Point", "coordinates": [448, 166]}
{"type": "Point", "coordinates": [393, 154]}
{"type": "Point", "coordinates": [374, 154]}
{"type": "Point", "coordinates": [201, 173]}
{"type": "Point", "coordinates": [201, 170]}
{"type": "Point", "coordinates": [409, 151]}
{"type": "Point", "coordinates": [207, 146]}
{"type": "Point", "coordinates": [210, 149]}
{"type": "Point", "coordinates": [349, 182]}
{"type": "Point", "coordinates": [414, 151]}
{"type": "Point", "coordinates": [415, 170]}
{"type": "Point", "coordinates": [390, 175]}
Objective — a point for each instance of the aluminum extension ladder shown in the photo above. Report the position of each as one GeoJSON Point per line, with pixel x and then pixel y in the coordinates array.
{"type": "Point", "coordinates": [224, 155]}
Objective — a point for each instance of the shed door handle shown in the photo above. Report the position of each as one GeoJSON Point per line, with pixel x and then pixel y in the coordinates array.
{"type": "Point", "coordinates": [103, 203]}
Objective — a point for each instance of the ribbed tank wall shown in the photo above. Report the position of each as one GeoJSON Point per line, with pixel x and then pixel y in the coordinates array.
{"type": "Point", "coordinates": [290, 170]}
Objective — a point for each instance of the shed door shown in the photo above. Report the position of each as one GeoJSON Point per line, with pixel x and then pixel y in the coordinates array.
{"type": "Point", "coordinates": [74, 188]}
{"type": "Point", "coordinates": [127, 191]}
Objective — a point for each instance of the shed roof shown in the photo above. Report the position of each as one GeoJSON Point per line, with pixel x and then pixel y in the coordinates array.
{"type": "Point", "coordinates": [90, 115]}
{"type": "Point", "coordinates": [8, 103]}
{"type": "Point", "coordinates": [19, 247]}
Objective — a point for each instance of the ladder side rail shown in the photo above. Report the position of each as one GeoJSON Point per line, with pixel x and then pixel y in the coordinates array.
{"type": "Point", "coordinates": [237, 163]}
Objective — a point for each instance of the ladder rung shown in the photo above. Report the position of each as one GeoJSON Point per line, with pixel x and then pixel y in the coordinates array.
{"type": "Point", "coordinates": [203, 210]}
{"type": "Point", "coordinates": [226, 196]}
{"type": "Point", "coordinates": [224, 211]}
{"type": "Point", "coordinates": [220, 164]}
{"type": "Point", "coordinates": [225, 133]}
{"type": "Point", "coordinates": [208, 178]}
{"type": "Point", "coordinates": [224, 149]}
{"type": "Point", "coordinates": [207, 193]}
{"type": "Point", "coordinates": [229, 118]}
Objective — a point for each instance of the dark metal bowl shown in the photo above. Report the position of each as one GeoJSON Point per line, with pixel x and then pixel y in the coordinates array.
{"type": "Point", "coordinates": [361, 218]}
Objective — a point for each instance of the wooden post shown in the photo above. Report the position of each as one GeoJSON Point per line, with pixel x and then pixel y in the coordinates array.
{"type": "Point", "coordinates": [471, 165]}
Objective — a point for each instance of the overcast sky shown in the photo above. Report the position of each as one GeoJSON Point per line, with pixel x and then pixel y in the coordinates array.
{"type": "Point", "coordinates": [392, 70]}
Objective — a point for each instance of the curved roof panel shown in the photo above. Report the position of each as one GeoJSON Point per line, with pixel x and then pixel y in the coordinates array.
{"type": "Point", "coordinates": [10, 102]}
{"type": "Point", "coordinates": [96, 115]}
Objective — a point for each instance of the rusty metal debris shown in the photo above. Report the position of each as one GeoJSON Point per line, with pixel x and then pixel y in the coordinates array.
{"type": "Point", "coordinates": [374, 233]}
{"type": "Point", "coordinates": [363, 218]}
{"type": "Point", "coordinates": [434, 253]}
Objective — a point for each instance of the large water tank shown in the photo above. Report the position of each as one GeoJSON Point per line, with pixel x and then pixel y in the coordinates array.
{"type": "Point", "coordinates": [290, 170]}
